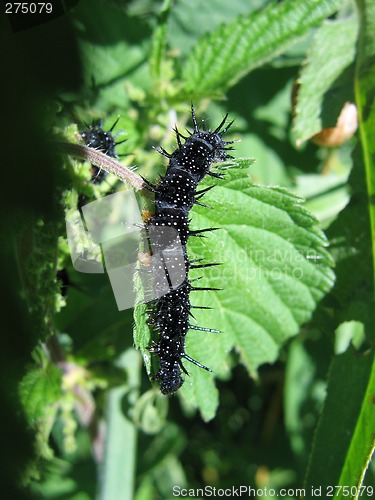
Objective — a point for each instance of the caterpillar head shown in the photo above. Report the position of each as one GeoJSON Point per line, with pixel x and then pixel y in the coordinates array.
{"type": "Point", "coordinates": [170, 379]}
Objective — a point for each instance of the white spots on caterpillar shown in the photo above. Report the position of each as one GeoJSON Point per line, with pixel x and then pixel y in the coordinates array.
{"type": "Point", "coordinates": [174, 197]}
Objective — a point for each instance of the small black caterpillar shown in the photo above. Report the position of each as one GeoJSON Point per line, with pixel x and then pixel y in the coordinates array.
{"type": "Point", "coordinates": [102, 140]}
{"type": "Point", "coordinates": [175, 194]}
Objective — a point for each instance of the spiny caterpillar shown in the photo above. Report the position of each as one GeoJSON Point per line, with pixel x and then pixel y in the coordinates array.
{"type": "Point", "coordinates": [175, 195]}
{"type": "Point", "coordinates": [102, 140]}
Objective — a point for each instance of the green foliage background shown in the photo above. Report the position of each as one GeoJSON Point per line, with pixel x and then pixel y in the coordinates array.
{"type": "Point", "coordinates": [291, 401]}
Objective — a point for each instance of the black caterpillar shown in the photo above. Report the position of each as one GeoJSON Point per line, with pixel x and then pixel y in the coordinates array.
{"type": "Point", "coordinates": [102, 140]}
{"type": "Point", "coordinates": [175, 194]}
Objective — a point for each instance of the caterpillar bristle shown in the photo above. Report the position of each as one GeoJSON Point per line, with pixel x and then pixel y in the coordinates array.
{"type": "Point", "coordinates": [200, 289]}
{"type": "Point", "coordinates": [203, 329]}
{"type": "Point", "coordinates": [202, 192]}
{"type": "Point", "coordinates": [202, 204]}
{"type": "Point", "coordinates": [196, 363]}
{"type": "Point", "coordinates": [179, 136]}
{"type": "Point", "coordinates": [225, 129]}
{"type": "Point", "coordinates": [196, 128]}
{"type": "Point", "coordinates": [218, 129]}
{"type": "Point", "coordinates": [201, 266]}
{"type": "Point", "coordinates": [216, 176]}
{"type": "Point", "coordinates": [182, 366]}
{"type": "Point", "coordinates": [148, 185]}
{"type": "Point", "coordinates": [192, 315]}
{"type": "Point", "coordinates": [114, 125]}
{"type": "Point", "coordinates": [194, 232]}
{"type": "Point", "coordinates": [162, 151]}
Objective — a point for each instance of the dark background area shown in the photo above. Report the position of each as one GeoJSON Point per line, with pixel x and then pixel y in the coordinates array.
{"type": "Point", "coordinates": [39, 57]}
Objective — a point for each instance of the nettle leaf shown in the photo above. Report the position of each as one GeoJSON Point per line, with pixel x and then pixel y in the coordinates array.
{"type": "Point", "coordinates": [39, 390]}
{"type": "Point", "coordinates": [188, 23]}
{"type": "Point", "coordinates": [275, 268]}
{"type": "Point", "coordinates": [223, 57]}
{"type": "Point", "coordinates": [108, 54]}
{"type": "Point", "coordinates": [332, 51]}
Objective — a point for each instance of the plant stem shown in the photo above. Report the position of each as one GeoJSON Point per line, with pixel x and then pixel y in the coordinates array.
{"type": "Point", "coordinates": [103, 161]}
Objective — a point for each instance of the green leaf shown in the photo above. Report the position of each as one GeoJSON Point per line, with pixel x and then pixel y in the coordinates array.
{"type": "Point", "coordinates": [345, 440]}
{"type": "Point", "coordinates": [326, 194]}
{"type": "Point", "coordinates": [39, 390]}
{"type": "Point", "coordinates": [223, 57]}
{"type": "Point", "coordinates": [110, 53]}
{"type": "Point", "coordinates": [332, 51]}
{"type": "Point", "coordinates": [190, 21]}
{"type": "Point", "coordinates": [275, 268]}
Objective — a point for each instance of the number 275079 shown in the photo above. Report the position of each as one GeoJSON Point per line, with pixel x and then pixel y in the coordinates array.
{"type": "Point", "coordinates": [28, 8]}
